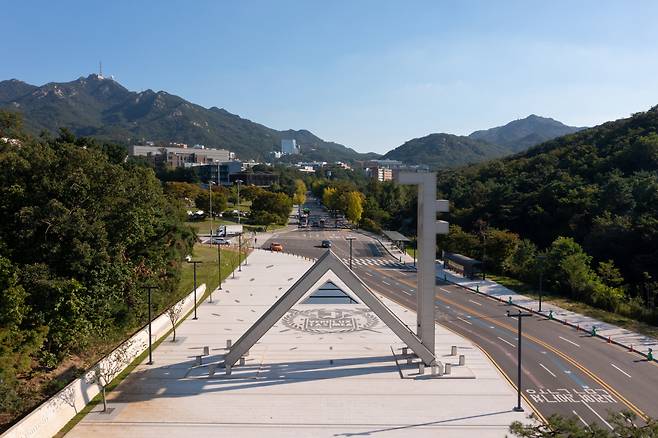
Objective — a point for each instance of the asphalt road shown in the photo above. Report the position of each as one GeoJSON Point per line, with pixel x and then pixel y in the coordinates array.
{"type": "Point", "coordinates": [564, 371]}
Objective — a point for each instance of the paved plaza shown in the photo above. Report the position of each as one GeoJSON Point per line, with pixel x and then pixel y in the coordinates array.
{"type": "Point", "coordinates": [324, 370]}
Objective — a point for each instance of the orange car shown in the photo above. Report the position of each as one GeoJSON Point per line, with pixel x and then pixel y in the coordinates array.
{"type": "Point", "coordinates": [276, 247]}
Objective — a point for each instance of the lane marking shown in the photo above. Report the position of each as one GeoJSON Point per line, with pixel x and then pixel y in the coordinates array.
{"type": "Point", "coordinates": [463, 320]}
{"type": "Point", "coordinates": [580, 418]}
{"type": "Point", "coordinates": [475, 302]}
{"type": "Point", "coordinates": [386, 283]}
{"type": "Point", "coordinates": [571, 342]}
{"type": "Point", "coordinates": [445, 290]}
{"type": "Point", "coordinates": [597, 414]}
{"type": "Point", "coordinates": [507, 342]}
{"type": "Point", "coordinates": [547, 370]}
{"type": "Point", "coordinates": [620, 370]}
{"type": "Point", "coordinates": [368, 273]}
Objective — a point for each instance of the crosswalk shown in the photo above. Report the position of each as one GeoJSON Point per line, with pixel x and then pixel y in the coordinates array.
{"type": "Point", "coordinates": [380, 262]}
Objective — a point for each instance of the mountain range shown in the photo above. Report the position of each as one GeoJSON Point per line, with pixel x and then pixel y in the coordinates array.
{"type": "Point", "coordinates": [447, 150]}
{"type": "Point", "coordinates": [102, 108]}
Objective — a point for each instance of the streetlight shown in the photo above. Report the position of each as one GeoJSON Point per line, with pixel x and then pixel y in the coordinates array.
{"type": "Point", "coordinates": [210, 184]}
{"type": "Point", "coordinates": [239, 181]}
{"type": "Point", "coordinates": [520, 316]}
{"type": "Point", "coordinates": [193, 262]}
{"type": "Point", "coordinates": [239, 252]}
{"type": "Point", "coordinates": [350, 239]}
{"type": "Point", "coordinates": [219, 267]}
{"type": "Point", "coordinates": [414, 248]}
{"type": "Point", "coordinates": [149, 289]}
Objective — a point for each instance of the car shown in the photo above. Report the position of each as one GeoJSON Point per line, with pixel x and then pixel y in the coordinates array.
{"type": "Point", "coordinates": [220, 241]}
{"type": "Point", "coordinates": [275, 246]}
{"type": "Point", "coordinates": [326, 243]}
{"type": "Point", "coordinates": [315, 224]}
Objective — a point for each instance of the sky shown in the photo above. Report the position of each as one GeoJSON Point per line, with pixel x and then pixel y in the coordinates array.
{"type": "Point", "coordinates": [369, 74]}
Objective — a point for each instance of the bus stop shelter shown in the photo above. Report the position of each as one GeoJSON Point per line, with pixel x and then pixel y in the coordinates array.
{"type": "Point", "coordinates": [400, 240]}
{"type": "Point", "coordinates": [468, 267]}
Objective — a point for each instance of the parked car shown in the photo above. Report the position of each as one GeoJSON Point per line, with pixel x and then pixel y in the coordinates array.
{"type": "Point", "coordinates": [274, 246]}
{"type": "Point", "coordinates": [326, 243]}
{"type": "Point", "coordinates": [220, 241]}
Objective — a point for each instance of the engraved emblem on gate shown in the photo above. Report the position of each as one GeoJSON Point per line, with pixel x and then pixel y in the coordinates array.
{"type": "Point", "coordinates": [330, 320]}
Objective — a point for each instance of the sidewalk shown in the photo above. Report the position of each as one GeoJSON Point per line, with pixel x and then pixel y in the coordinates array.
{"type": "Point", "coordinates": [618, 335]}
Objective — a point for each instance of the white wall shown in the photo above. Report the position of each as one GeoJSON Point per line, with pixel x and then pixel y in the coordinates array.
{"type": "Point", "coordinates": [49, 417]}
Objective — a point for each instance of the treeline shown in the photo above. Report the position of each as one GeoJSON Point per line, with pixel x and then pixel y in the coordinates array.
{"type": "Point", "coordinates": [597, 189]}
{"type": "Point", "coordinates": [81, 232]}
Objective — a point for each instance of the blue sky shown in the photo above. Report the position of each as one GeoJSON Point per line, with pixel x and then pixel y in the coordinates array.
{"type": "Point", "coordinates": [367, 74]}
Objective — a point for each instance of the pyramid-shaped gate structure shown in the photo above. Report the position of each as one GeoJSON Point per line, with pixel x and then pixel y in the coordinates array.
{"type": "Point", "coordinates": [328, 262]}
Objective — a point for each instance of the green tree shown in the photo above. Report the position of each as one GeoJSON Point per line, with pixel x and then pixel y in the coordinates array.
{"type": "Point", "coordinates": [300, 192]}
{"type": "Point", "coordinates": [624, 424]}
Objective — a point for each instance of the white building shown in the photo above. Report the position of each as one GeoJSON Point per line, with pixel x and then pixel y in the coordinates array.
{"type": "Point", "coordinates": [289, 146]}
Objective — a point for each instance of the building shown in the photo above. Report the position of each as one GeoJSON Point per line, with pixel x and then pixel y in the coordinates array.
{"type": "Point", "coordinates": [289, 146]}
{"type": "Point", "coordinates": [379, 173]}
{"type": "Point", "coordinates": [180, 156]}
{"type": "Point", "coordinates": [219, 172]}
{"type": "Point", "coordinates": [261, 179]}
{"type": "Point", "coordinates": [387, 170]}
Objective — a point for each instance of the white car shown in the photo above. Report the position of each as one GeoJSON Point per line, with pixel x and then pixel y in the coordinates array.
{"type": "Point", "coordinates": [220, 241]}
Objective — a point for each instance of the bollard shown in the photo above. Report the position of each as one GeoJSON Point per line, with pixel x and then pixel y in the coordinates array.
{"type": "Point", "coordinates": [228, 370]}
{"type": "Point", "coordinates": [421, 368]}
{"type": "Point", "coordinates": [404, 350]}
{"type": "Point", "coordinates": [228, 344]}
{"type": "Point", "coordinates": [609, 340]}
{"type": "Point", "coordinates": [199, 360]}
{"type": "Point", "coordinates": [462, 359]}
{"type": "Point", "coordinates": [650, 354]}
{"type": "Point", "coordinates": [410, 360]}
{"type": "Point", "coordinates": [453, 350]}
{"type": "Point", "coordinates": [242, 361]}
{"type": "Point", "coordinates": [509, 301]}
{"type": "Point", "coordinates": [577, 327]}
{"type": "Point", "coordinates": [436, 370]}
{"type": "Point", "coordinates": [593, 330]}
{"type": "Point", "coordinates": [477, 288]}
{"type": "Point", "coordinates": [447, 368]}
{"type": "Point", "coordinates": [206, 351]}
{"type": "Point", "coordinates": [550, 314]}
{"type": "Point", "coordinates": [631, 348]}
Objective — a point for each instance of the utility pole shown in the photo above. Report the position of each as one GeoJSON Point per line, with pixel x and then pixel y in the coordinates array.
{"type": "Point", "coordinates": [519, 317]}
{"type": "Point", "coordinates": [210, 183]}
{"type": "Point", "coordinates": [239, 181]}
{"type": "Point", "coordinates": [194, 262]}
{"type": "Point", "coordinates": [350, 239]}
{"type": "Point", "coordinates": [149, 289]}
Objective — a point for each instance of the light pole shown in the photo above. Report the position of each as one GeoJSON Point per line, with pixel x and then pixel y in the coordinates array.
{"type": "Point", "coordinates": [519, 317]}
{"type": "Point", "coordinates": [194, 262]}
{"type": "Point", "coordinates": [414, 248]}
{"type": "Point", "coordinates": [239, 181]}
{"type": "Point", "coordinates": [350, 239]}
{"type": "Point", "coordinates": [239, 252]}
{"type": "Point", "coordinates": [149, 289]}
{"type": "Point", "coordinates": [210, 183]}
{"type": "Point", "coordinates": [219, 267]}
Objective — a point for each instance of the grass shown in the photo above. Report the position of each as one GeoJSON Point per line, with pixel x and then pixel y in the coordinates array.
{"type": "Point", "coordinates": [576, 306]}
{"type": "Point", "coordinates": [206, 273]}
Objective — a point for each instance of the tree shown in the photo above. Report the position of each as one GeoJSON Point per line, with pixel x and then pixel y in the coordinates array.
{"type": "Point", "coordinates": [624, 425]}
{"type": "Point", "coordinates": [107, 369]}
{"type": "Point", "coordinates": [330, 198]}
{"type": "Point", "coordinates": [278, 204]}
{"type": "Point", "coordinates": [174, 314]}
{"type": "Point", "coordinates": [300, 192]}
{"type": "Point", "coordinates": [354, 206]}
{"type": "Point", "coordinates": [219, 201]}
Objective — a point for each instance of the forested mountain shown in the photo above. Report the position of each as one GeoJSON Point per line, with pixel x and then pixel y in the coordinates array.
{"type": "Point", "coordinates": [102, 108]}
{"type": "Point", "coordinates": [445, 150]}
{"type": "Point", "coordinates": [522, 134]}
{"type": "Point", "coordinates": [599, 186]}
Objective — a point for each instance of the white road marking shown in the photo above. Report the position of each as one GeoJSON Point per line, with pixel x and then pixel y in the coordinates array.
{"type": "Point", "coordinates": [445, 290]}
{"type": "Point", "coordinates": [620, 370]}
{"type": "Point", "coordinates": [547, 370]}
{"type": "Point", "coordinates": [571, 342]}
{"type": "Point", "coordinates": [597, 414]}
{"type": "Point", "coordinates": [463, 320]}
{"type": "Point", "coordinates": [580, 418]}
{"type": "Point", "coordinates": [368, 273]}
{"type": "Point", "coordinates": [475, 302]}
{"type": "Point", "coordinates": [386, 283]}
{"type": "Point", "coordinates": [505, 341]}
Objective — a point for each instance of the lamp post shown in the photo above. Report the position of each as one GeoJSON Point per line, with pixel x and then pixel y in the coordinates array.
{"type": "Point", "coordinates": [149, 289]}
{"type": "Point", "coordinates": [239, 252]}
{"type": "Point", "coordinates": [238, 182]}
{"type": "Point", "coordinates": [194, 262]}
{"type": "Point", "coordinates": [210, 183]}
{"type": "Point", "coordinates": [414, 248]}
{"type": "Point", "coordinates": [519, 317]}
{"type": "Point", "coordinates": [219, 267]}
{"type": "Point", "coordinates": [350, 239]}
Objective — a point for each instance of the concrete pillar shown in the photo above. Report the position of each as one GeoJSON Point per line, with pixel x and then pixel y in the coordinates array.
{"type": "Point", "coordinates": [228, 344]}
{"type": "Point", "coordinates": [404, 350]}
{"type": "Point", "coordinates": [206, 350]}
{"type": "Point", "coordinates": [199, 360]}
{"type": "Point", "coordinates": [421, 368]}
{"type": "Point", "coordinates": [410, 360]}
{"type": "Point", "coordinates": [448, 368]}
{"type": "Point", "coordinates": [242, 361]}
{"type": "Point", "coordinates": [453, 350]}
{"type": "Point", "coordinates": [462, 359]}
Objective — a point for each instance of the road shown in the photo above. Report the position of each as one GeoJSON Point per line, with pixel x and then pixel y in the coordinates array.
{"type": "Point", "coordinates": [564, 371]}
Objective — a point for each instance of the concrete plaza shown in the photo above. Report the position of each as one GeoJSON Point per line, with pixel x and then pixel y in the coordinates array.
{"type": "Point", "coordinates": [302, 379]}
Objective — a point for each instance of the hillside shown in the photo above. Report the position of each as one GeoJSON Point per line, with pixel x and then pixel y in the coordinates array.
{"type": "Point", "coordinates": [445, 150]}
{"type": "Point", "coordinates": [522, 134]}
{"type": "Point", "coordinates": [103, 108]}
{"type": "Point", "coordinates": [599, 186]}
